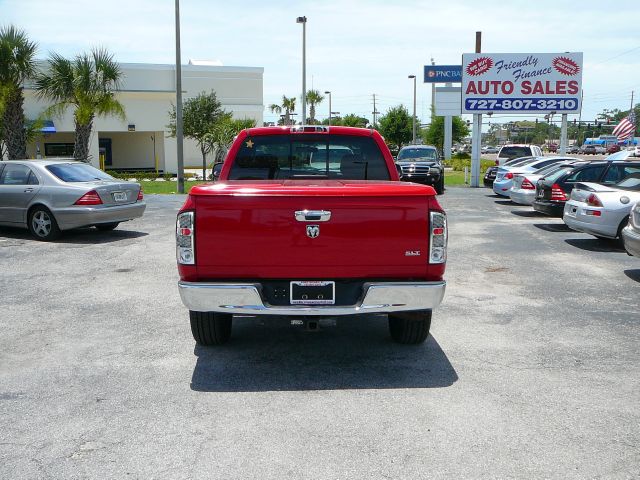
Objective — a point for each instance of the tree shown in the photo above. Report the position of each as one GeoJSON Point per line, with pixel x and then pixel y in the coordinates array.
{"type": "Point", "coordinates": [313, 98]}
{"type": "Point", "coordinates": [16, 65]}
{"type": "Point", "coordinates": [199, 117]}
{"type": "Point", "coordinates": [434, 134]}
{"type": "Point", "coordinates": [396, 126]}
{"type": "Point", "coordinates": [222, 134]}
{"type": "Point", "coordinates": [349, 120]}
{"type": "Point", "coordinates": [289, 106]}
{"type": "Point", "coordinates": [88, 83]}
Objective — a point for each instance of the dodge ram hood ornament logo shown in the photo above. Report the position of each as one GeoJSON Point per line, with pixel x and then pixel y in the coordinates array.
{"type": "Point", "coordinates": [313, 231]}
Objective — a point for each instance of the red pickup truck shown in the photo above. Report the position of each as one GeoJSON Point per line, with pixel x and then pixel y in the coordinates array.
{"type": "Point", "coordinates": [310, 222]}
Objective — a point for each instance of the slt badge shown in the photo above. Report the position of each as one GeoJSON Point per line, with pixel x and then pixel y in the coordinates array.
{"type": "Point", "coordinates": [313, 231]}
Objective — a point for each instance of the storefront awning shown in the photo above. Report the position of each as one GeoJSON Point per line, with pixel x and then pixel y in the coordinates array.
{"type": "Point", "coordinates": [48, 127]}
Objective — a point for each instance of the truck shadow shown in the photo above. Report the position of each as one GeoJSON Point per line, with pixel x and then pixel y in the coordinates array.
{"type": "Point", "coordinates": [355, 354]}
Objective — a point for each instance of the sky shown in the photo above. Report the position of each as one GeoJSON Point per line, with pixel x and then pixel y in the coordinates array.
{"type": "Point", "coordinates": [354, 48]}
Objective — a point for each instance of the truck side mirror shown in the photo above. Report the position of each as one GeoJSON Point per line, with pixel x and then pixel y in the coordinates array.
{"type": "Point", "coordinates": [217, 169]}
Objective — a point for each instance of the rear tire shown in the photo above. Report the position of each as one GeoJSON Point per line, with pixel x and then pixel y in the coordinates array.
{"type": "Point", "coordinates": [210, 328]}
{"type": "Point", "coordinates": [440, 185]}
{"type": "Point", "coordinates": [410, 328]}
{"type": "Point", "coordinates": [107, 227]}
{"type": "Point", "coordinates": [42, 224]}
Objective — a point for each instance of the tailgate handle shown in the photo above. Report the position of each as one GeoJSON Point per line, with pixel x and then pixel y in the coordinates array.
{"type": "Point", "coordinates": [313, 215]}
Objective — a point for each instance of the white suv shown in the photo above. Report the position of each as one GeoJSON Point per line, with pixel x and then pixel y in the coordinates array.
{"type": "Point", "coordinates": [508, 152]}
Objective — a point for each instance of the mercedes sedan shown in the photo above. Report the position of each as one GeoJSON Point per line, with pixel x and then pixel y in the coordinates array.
{"type": "Point", "coordinates": [49, 196]}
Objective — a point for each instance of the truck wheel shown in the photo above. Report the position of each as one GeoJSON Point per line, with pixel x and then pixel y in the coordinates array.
{"type": "Point", "coordinates": [440, 185]}
{"type": "Point", "coordinates": [410, 328]}
{"type": "Point", "coordinates": [210, 328]}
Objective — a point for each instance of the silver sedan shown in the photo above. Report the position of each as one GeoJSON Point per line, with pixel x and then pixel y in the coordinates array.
{"type": "Point", "coordinates": [602, 210]}
{"type": "Point", "coordinates": [48, 196]}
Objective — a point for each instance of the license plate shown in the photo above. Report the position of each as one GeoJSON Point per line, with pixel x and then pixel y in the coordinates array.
{"type": "Point", "coordinates": [313, 293]}
{"type": "Point", "coordinates": [119, 196]}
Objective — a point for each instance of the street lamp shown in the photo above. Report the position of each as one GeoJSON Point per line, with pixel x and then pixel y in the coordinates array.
{"type": "Point", "coordinates": [303, 21]}
{"type": "Point", "coordinates": [329, 93]}
{"type": "Point", "coordinates": [414, 108]}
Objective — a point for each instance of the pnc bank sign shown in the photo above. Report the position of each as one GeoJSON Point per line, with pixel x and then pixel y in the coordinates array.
{"type": "Point", "coordinates": [442, 73]}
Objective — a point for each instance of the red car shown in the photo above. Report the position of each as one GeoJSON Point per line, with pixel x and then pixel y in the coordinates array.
{"type": "Point", "coordinates": [553, 147]}
{"type": "Point", "coordinates": [310, 222]}
{"type": "Point", "coordinates": [613, 148]}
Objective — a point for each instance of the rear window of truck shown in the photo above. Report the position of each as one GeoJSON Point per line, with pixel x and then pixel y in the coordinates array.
{"type": "Point", "coordinates": [272, 157]}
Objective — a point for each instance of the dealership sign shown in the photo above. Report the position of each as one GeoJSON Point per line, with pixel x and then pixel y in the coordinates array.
{"type": "Point", "coordinates": [521, 83]}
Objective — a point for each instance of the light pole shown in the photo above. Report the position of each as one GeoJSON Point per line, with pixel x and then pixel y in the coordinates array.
{"type": "Point", "coordinates": [179, 133]}
{"type": "Point", "coordinates": [414, 107]}
{"type": "Point", "coordinates": [303, 21]}
{"type": "Point", "coordinates": [329, 93]}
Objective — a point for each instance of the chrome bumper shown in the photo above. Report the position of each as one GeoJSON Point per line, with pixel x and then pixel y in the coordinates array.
{"type": "Point", "coordinates": [75, 217]}
{"type": "Point", "coordinates": [245, 298]}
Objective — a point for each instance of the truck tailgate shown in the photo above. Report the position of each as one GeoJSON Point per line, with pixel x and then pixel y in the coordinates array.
{"type": "Point", "coordinates": [251, 231]}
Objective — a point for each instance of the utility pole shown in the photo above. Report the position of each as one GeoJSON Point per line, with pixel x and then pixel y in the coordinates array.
{"type": "Point", "coordinates": [375, 112]}
{"type": "Point", "coordinates": [179, 134]}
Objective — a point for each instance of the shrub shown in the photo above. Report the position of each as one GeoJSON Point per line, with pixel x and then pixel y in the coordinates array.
{"type": "Point", "coordinates": [458, 164]}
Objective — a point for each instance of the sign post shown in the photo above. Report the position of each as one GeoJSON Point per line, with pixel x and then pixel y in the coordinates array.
{"type": "Point", "coordinates": [563, 135]}
{"type": "Point", "coordinates": [476, 138]}
{"type": "Point", "coordinates": [447, 74]}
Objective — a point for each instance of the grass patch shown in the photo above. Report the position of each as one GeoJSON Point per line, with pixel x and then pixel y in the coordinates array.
{"type": "Point", "coordinates": [453, 178]}
{"type": "Point", "coordinates": [166, 187]}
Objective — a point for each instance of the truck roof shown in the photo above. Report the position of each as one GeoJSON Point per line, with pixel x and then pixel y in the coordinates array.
{"type": "Point", "coordinates": [321, 129]}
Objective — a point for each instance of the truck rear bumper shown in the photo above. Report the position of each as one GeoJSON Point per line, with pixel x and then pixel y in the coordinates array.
{"type": "Point", "coordinates": [245, 298]}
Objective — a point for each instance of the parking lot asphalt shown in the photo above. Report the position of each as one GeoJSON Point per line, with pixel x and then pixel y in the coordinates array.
{"type": "Point", "coordinates": [531, 370]}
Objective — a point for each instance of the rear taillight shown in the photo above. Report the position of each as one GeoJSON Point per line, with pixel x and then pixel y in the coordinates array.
{"type": "Point", "coordinates": [497, 162]}
{"type": "Point", "coordinates": [527, 185]}
{"type": "Point", "coordinates": [509, 176]}
{"type": "Point", "coordinates": [89, 198]}
{"type": "Point", "coordinates": [140, 195]}
{"type": "Point", "coordinates": [558, 194]}
{"type": "Point", "coordinates": [185, 251]}
{"type": "Point", "coordinates": [438, 238]}
{"type": "Point", "coordinates": [594, 201]}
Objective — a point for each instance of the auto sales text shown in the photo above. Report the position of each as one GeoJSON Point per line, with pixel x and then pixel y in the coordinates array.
{"type": "Point", "coordinates": [526, 87]}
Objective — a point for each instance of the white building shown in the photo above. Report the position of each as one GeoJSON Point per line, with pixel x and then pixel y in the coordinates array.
{"type": "Point", "coordinates": [140, 141]}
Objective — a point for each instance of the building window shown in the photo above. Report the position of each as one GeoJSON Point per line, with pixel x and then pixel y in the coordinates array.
{"type": "Point", "coordinates": [58, 149]}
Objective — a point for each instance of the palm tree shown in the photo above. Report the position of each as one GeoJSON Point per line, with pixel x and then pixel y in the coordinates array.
{"type": "Point", "coordinates": [313, 98]}
{"type": "Point", "coordinates": [16, 65]}
{"type": "Point", "coordinates": [88, 83]}
{"type": "Point", "coordinates": [289, 105]}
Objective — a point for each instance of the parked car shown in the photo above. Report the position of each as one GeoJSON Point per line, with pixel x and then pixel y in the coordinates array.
{"type": "Point", "coordinates": [523, 189]}
{"type": "Point", "coordinates": [490, 175]}
{"type": "Point", "coordinates": [636, 151]}
{"type": "Point", "coordinates": [421, 164]}
{"type": "Point", "coordinates": [603, 210]}
{"type": "Point", "coordinates": [49, 196]}
{"type": "Point", "coordinates": [573, 149]}
{"type": "Point", "coordinates": [504, 177]}
{"type": "Point", "coordinates": [336, 238]}
{"type": "Point", "coordinates": [589, 150]}
{"type": "Point", "coordinates": [552, 147]}
{"type": "Point", "coordinates": [507, 152]}
{"type": "Point", "coordinates": [489, 149]}
{"type": "Point", "coordinates": [553, 191]}
{"type": "Point", "coordinates": [613, 148]}
{"type": "Point", "coordinates": [631, 233]}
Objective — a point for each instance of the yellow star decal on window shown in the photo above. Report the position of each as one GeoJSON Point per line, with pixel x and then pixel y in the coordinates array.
{"type": "Point", "coordinates": [249, 144]}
